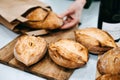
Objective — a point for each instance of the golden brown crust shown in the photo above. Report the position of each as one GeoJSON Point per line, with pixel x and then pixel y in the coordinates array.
{"type": "Point", "coordinates": [109, 62]}
{"type": "Point", "coordinates": [41, 19]}
{"type": "Point", "coordinates": [34, 14]}
{"type": "Point", "coordinates": [97, 41]}
{"type": "Point", "coordinates": [68, 53]}
{"type": "Point", "coordinates": [109, 77]}
{"type": "Point", "coordinates": [52, 21]}
{"type": "Point", "coordinates": [30, 49]}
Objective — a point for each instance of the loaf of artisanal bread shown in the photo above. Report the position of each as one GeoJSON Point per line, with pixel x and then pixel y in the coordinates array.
{"type": "Point", "coordinates": [97, 41]}
{"type": "Point", "coordinates": [68, 53]}
{"type": "Point", "coordinates": [109, 62]}
{"type": "Point", "coordinates": [109, 77]}
{"type": "Point", "coordinates": [30, 49]}
{"type": "Point", "coordinates": [42, 19]}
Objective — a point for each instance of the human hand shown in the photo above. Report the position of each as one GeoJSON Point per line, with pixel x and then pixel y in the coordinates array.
{"type": "Point", "coordinates": [72, 15]}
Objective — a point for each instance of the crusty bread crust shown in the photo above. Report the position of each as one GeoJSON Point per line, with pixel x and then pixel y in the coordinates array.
{"type": "Point", "coordinates": [30, 49]}
{"type": "Point", "coordinates": [109, 62]}
{"type": "Point", "coordinates": [68, 53]}
{"type": "Point", "coordinates": [42, 19]}
{"type": "Point", "coordinates": [95, 40]}
{"type": "Point", "coordinates": [109, 77]}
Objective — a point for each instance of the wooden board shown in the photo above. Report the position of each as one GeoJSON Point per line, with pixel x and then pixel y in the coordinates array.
{"type": "Point", "coordinates": [44, 68]}
{"type": "Point", "coordinates": [97, 72]}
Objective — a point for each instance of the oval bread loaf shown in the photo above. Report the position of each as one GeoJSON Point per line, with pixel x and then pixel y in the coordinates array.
{"type": "Point", "coordinates": [95, 40]}
{"type": "Point", "coordinates": [42, 19]}
{"type": "Point", "coordinates": [30, 49]}
{"type": "Point", "coordinates": [68, 53]}
{"type": "Point", "coordinates": [109, 62]}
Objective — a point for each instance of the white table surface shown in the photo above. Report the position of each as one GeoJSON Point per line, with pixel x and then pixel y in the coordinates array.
{"type": "Point", "coordinates": [88, 19]}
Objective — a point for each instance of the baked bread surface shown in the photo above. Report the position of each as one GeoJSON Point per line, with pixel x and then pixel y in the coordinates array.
{"type": "Point", "coordinates": [109, 62]}
{"type": "Point", "coordinates": [109, 77]}
{"type": "Point", "coordinates": [68, 53]}
{"type": "Point", "coordinates": [42, 19]}
{"type": "Point", "coordinates": [30, 49]}
{"type": "Point", "coordinates": [95, 40]}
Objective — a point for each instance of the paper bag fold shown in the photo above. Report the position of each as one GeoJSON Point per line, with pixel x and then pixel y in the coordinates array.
{"type": "Point", "coordinates": [11, 11]}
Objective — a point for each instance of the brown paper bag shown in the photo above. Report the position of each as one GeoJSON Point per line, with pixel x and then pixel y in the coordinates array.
{"type": "Point", "coordinates": [11, 12]}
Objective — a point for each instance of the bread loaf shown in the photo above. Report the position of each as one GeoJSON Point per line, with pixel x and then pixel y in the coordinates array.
{"type": "Point", "coordinates": [42, 19]}
{"type": "Point", "coordinates": [68, 53]}
{"type": "Point", "coordinates": [30, 49]}
{"type": "Point", "coordinates": [109, 62]}
{"type": "Point", "coordinates": [95, 40]}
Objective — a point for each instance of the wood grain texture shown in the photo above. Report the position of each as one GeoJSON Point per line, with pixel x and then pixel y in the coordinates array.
{"type": "Point", "coordinates": [44, 68]}
{"type": "Point", "coordinates": [6, 53]}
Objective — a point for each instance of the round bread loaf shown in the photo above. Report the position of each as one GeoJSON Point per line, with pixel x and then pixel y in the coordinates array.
{"type": "Point", "coordinates": [42, 19]}
{"type": "Point", "coordinates": [109, 62]}
{"type": "Point", "coordinates": [97, 41]}
{"type": "Point", "coordinates": [109, 77]}
{"type": "Point", "coordinates": [30, 49]}
{"type": "Point", "coordinates": [68, 53]}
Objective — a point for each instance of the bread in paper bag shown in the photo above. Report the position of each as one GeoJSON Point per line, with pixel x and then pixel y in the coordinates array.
{"type": "Point", "coordinates": [42, 19]}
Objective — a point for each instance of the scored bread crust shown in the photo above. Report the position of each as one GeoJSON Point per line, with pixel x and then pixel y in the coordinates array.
{"type": "Point", "coordinates": [109, 62]}
{"type": "Point", "coordinates": [30, 49]}
{"type": "Point", "coordinates": [68, 53]}
{"type": "Point", "coordinates": [95, 40]}
{"type": "Point", "coordinates": [42, 19]}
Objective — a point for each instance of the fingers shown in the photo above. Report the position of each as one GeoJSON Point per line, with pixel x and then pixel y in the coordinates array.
{"type": "Point", "coordinates": [69, 23]}
{"type": "Point", "coordinates": [68, 12]}
{"type": "Point", "coordinates": [70, 17]}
